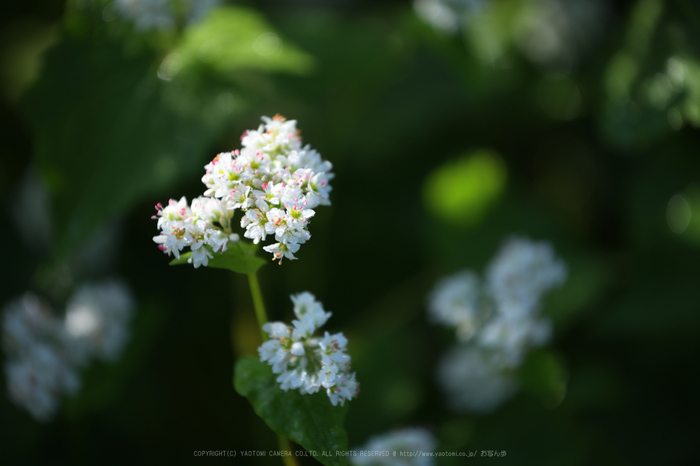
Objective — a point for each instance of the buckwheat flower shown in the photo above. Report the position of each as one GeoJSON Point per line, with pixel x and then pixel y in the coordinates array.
{"type": "Point", "coordinates": [197, 10]}
{"type": "Point", "coordinates": [163, 14]}
{"type": "Point", "coordinates": [306, 304]}
{"type": "Point", "coordinates": [147, 14]}
{"type": "Point", "coordinates": [38, 366]}
{"type": "Point", "coordinates": [499, 318]}
{"type": "Point", "coordinates": [513, 336]}
{"type": "Point", "coordinates": [28, 321]}
{"type": "Point", "coordinates": [379, 450]}
{"type": "Point", "coordinates": [207, 222]}
{"type": "Point", "coordinates": [278, 350]}
{"type": "Point", "coordinates": [275, 183]}
{"type": "Point", "coordinates": [305, 362]}
{"type": "Point", "coordinates": [333, 349]}
{"type": "Point", "coordinates": [475, 380]}
{"type": "Point", "coordinates": [97, 319]}
{"type": "Point", "coordinates": [283, 249]}
{"type": "Point", "coordinates": [456, 301]}
{"type": "Point", "coordinates": [345, 387]}
{"type": "Point", "coordinates": [447, 15]}
{"type": "Point", "coordinates": [521, 273]}
{"type": "Point", "coordinates": [38, 379]}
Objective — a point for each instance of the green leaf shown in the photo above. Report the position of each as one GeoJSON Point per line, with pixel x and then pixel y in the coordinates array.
{"type": "Point", "coordinates": [544, 374]}
{"type": "Point", "coordinates": [234, 38]}
{"type": "Point", "coordinates": [309, 420]}
{"type": "Point", "coordinates": [239, 257]}
{"type": "Point", "coordinates": [108, 132]}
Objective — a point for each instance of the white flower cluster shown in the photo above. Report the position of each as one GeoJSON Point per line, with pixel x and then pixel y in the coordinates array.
{"type": "Point", "coordinates": [549, 32]}
{"type": "Point", "coordinates": [44, 352]}
{"type": "Point", "coordinates": [306, 362]}
{"type": "Point", "coordinates": [207, 222]}
{"type": "Point", "coordinates": [163, 14]}
{"type": "Point", "coordinates": [96, 320]}
{"type": "Point", "coordinates": [387, 449]}
{"type": "Point", "coordinates": [275, 183]}
{"type": "Point", "coordinates": [498, 318]}
{"type": "Point", "coordinates": [446, 15]}
{"type": "Point", "coordinates": [475, 380]}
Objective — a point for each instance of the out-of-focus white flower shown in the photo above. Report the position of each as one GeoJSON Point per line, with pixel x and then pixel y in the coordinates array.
{"type": "Point", "coordinates": [273, 180]}
{"type": "Point", "coordinates": [555, 33]}
{"type": "Point", "coordinates": [43, 352]}
{"type": "Point", "coordinates": [28, 321]}
{"type": "Point", "coordinates": [512, 337]}
{"type": "Point", "coordinates": [163, 14]}
{"type": "Point", "coordinates": [97, 319]}
{"type": "Point", "coordinates": [446, 15]}
{"type": "Point", "coordinates": [386, 449]}
{"type": "Point", "coordinates": [499, 318]}
{"type": "Point", "coordinates": [305, 362]}
{"type": "Point", "coordinates": [456, 301]}
{"type": "Point", "coordinates": [521, 273]}
{"type": "Point", "coordinates": [38, 367]}
{"type": "Point", "coordinates": [475, 380]}
{"type": "Point", "coordinates": [38, 379]}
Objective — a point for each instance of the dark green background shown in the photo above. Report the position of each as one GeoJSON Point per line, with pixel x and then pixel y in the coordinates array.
{"type": "Point", "coordinates": [387, 100]}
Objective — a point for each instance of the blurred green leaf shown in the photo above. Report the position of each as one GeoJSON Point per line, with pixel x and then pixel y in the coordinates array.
{"type": "Point", "coordinates": [233, 37]}
{"type": "Point", "coordinates": [309, 420]}
{"type": "Point", "coordinates": [107, 132]}
{"type": "Point", "coordinates": [461, 191]}
{"type": "Point", "coordinates": [239, 257]}
{"type": "Point", "coordinates": [544, 374]}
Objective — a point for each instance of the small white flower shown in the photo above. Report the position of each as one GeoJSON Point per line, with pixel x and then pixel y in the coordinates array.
{"type": "Point", "coordinates": [305, 362]}
{"type": "Point", "coordinates": [306, 303]}
{"type": "Point", "coordinates": [521, 273]}
{"type": "Point", "coordinates": [379, 449]}
{"type": "Point", "coordinates": [345, 388]}
{"type": "Point", "coordinates": [456, 301]}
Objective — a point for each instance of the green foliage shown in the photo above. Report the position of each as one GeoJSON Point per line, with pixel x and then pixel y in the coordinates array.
{"type": "Point", "coordinates": [106, 135]}
{"type": "Point", "coordinates": [309, 420]}
{"type": "Point", "coordinates": [114, 124]}
{"type": "Point", "coordinates": [544, 374]}
{"type": "Point", "coordinates": [461, 191]}
{"type": "Point", "coordinates": [651, 83]}
{"type": "Point", "coordinates": [235, 38]}
{"type": "Point", "coordinates": [239, 258]}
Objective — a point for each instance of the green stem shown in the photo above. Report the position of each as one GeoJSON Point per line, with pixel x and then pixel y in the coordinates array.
{"type": "Point", "coordinates": [284, 445]}
{"type": "Point", "coordinates": [262, 320]}
{"type": "Point", "coordinates": [258, 302]}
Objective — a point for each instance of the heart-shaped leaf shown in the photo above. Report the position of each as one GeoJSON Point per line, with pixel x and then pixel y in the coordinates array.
{"type": "Point", "coordinates": [309, 420]}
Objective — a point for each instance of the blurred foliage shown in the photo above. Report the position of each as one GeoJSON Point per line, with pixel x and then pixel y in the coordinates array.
{"type": "Point", "coordinates": [593, 114]}
{"type": "Point", "coordinates": [463, 191]}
